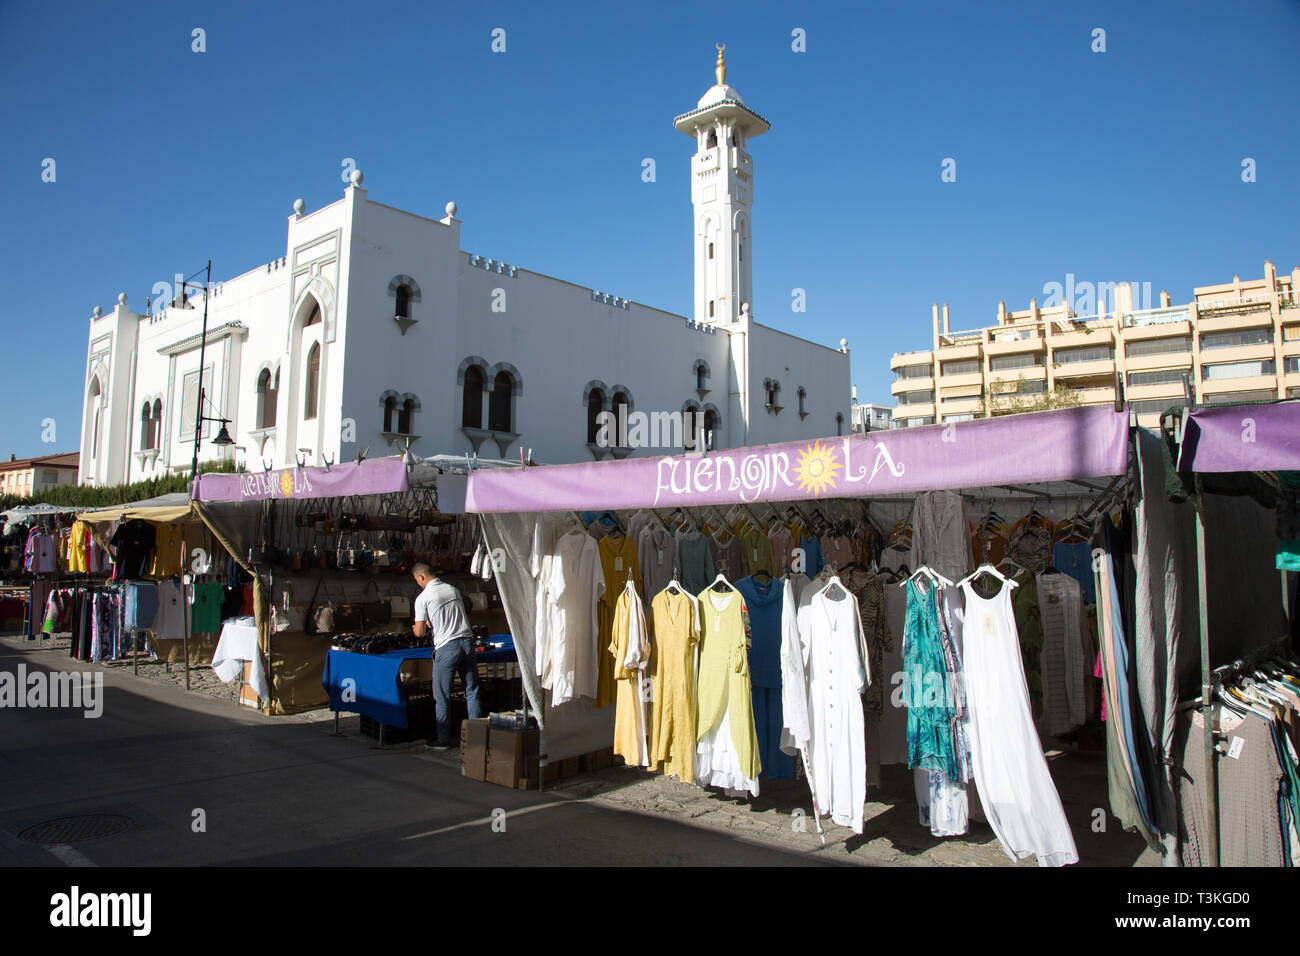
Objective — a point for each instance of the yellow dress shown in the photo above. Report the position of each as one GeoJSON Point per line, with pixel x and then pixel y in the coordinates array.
{"type": "Point", "coordinates": [724, 687]}
{"type": "Point", "coordinates": [78, 543]}
{"type": "Point", "coordinates": [674, 633]}
{"type": "Point", "coordinates": [631, 650]}
{"type": "Point", "coordinates": [619, 563]}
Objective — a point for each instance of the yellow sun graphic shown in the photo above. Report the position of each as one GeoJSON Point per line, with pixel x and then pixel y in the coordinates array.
{"type": "Point", "coordinates": [817, 468]}
{"type": "Point", "coordinates": [286, 484]}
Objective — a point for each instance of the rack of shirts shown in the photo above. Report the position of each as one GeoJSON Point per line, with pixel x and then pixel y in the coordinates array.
{"type": "Point", "coordinates": [1256, 725]}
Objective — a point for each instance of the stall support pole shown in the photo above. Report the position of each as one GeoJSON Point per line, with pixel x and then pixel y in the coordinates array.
{"type": "Point", "coordinates": [1207, 680]}
{"type": "Point", "coordinates": [185, 630]}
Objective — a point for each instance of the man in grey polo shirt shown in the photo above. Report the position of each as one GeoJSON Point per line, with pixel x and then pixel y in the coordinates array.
{"type": "Point", "coordinates": [440, 614]}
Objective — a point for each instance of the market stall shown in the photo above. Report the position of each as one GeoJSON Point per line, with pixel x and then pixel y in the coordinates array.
{"type": "Point", "coordinates": [332, 548]}
{"type": "Point", "coordinates": [173, 582]}
{"type": "Point", "coordinates": [1243, 463]}
{"type": "Point", "coordinates": [863, 513]}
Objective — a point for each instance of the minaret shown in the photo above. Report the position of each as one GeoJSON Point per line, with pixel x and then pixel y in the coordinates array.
{"type": "Point", "coordinates": [722, 191]}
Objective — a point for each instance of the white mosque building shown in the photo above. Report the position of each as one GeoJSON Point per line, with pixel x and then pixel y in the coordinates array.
{"type": "Point", "coordinates": [375, 330]}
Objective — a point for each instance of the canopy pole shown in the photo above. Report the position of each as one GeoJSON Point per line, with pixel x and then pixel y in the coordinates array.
{"type": "Point", "coordinates": [1207, 679]}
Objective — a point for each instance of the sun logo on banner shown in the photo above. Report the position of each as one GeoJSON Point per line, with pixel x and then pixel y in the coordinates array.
{"type": "Point", "coordinates": [817, 468]}
{"type": "Point", "coordinates": [286, 484]}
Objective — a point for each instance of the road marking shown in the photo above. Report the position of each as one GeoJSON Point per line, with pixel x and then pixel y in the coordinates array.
{"type": "Point", "coordinates": [484, 821]}
{"type": "Point", "coordinates": [69, 856]}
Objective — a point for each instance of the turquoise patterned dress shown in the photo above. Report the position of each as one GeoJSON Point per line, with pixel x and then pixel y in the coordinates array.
{"type": "Point", "coordinates": [927, 695]}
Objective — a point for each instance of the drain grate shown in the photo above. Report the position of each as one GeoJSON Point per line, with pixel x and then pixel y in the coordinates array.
{"type": "Point", "coordinates": [92, 826]}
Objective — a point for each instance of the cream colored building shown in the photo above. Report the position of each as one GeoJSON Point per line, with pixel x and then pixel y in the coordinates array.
{"type": "Point", "coordinates": [27, 476]}
{"type": "Point", "coordinates": [1238, 342]}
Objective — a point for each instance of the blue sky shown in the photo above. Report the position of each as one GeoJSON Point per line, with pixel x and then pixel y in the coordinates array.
{"type": "Point", "coordinates": [1122, 165]}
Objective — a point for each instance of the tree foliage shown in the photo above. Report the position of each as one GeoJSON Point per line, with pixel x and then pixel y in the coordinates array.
{"type": "Point", "coordinates": [89, 496]}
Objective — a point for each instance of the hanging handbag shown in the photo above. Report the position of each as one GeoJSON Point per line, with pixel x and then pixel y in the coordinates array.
{"type": "Point", "coordinates": [378, 612]}
{"type": "Point", "coordinates": [285, 615]}
{"type": "Point", "coordinates": [318, 619]}
{"type": "Point", "coordinates": [349, 615]}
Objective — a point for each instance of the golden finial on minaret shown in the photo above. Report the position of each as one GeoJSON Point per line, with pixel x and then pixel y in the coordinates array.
{"type": "Point", "coordinates": [721, 69]}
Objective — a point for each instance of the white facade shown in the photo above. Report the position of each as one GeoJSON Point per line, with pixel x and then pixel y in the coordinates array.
{"type": "Point", "coordinates": [303, 353]}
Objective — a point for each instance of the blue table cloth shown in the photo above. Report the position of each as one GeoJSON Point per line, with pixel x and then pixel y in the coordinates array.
{"type": "Point", "coordinates": [376, 688]}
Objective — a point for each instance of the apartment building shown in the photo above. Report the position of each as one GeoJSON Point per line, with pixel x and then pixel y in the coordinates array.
{"type": "Point", "coordinates": [1235, 342]}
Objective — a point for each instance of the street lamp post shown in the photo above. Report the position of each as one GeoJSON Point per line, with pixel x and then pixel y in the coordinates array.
{"type": "Point", "coordinates": [223, 436]}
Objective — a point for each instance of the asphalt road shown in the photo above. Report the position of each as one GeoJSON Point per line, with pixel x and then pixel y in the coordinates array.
{"type": "Point", "coordinates": [285, 792]}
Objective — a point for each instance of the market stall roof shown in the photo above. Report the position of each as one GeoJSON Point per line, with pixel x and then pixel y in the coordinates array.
{"type": "Point", "coordinates": [1063, 445]}
{"type": "Point", "coordinates": [371, 476]}
{"type": "Point", "coordinates": [1229, 438]}
{"type": "Point", "coordinates": [172, 507]}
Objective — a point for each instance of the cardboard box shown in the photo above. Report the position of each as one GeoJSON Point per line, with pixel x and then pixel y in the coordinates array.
{"type": "Point", "coordinates": [511, 755]}
{"type": "Point", "coordinates": [248, 696]}
{"type": "Point", "coordinates": [474, 748]}
{"type": "Point", "coordinates": [597, 760]}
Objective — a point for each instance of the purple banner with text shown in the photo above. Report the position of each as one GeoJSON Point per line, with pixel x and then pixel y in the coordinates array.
{"type": "Point", "coordinates": [374, 476]}
{"type": "Point", "coordinates": [1242, 438]}
{"type": "Point", "coordinates": [1087, 442]}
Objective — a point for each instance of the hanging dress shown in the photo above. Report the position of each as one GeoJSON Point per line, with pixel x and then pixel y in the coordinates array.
{"type": "Point", "coordinates": [674, 628]}
{"type": "Point", "coordinates": [830, 632]}
{"type": "Point", "coordinates": [930, 710]}
{"type": "Point", "coordinates": [726, 752]}
{"type": "Point", "coordinates": [630, 650]}
{"type": "Point", "coordinates": [1015, 787]}
{"type": "Point", "coordinates": [619, 565]}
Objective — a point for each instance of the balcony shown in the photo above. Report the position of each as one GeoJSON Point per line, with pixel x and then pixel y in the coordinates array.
{"type": "Point", "coordinates": [1237, 320]}
{"type": "Point", "coordinates": [1077, 338]}
{"type": "Point", "coordinates": [1157, 317]}
{"type": "Point", "coordinates": [1147, 363]}
{"type": "Point", "coordinates": [911, 385]}
{"type": "Point", "coordinates": [1009, 346]}
{"type": "Point", "coordinates": [903, 359]}
{"type": "Point", "coordinates": [1234, 305]}
{"type": "Point", "coordinates": [1096, 395]}
{"type": "Point", "coordinates": [960, 350]}
{"type": "Point", "coordinates": [957, 406]}
{"type": "Point", "coordinates": [1237, 353]}
{"type": "Point", "coordinates": [1069, 370]}
{"type": "Point", "coordinates": [1140, 333]}
{"type": "Point", "coordinates": [1034, 373]}
{"type": "Point", "coordinates": [965, 380]}
{"type": "Point", "coordinates": [1138, 393]}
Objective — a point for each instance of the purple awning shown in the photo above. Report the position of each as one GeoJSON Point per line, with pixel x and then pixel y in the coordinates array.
{"type": "Point", "coordinates": [1059, 445]}
{"type": "Point", "coordinates": [1242, 438]}
{"type": "Point", "coordinates": [374, 476]}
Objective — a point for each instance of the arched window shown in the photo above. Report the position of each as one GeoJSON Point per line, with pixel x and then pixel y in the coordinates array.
{"type": "Point", "coordinates": [471, 415]}
{"type": "Point", "coordinates": [390, 404]}
{"type": "Point", "coordinates": [404, 301]}
{"type": "Point", "coordinates": [713, 139]}
{"type": "Point", "coordinates": [803, 397]}
{"type": "Point", "coordinates": [146, 427]}
{"type": "Point", "coordinates": [595, 404]}
{"type": "Point", "coordinates": [157, 423]}
{"type": "Point", "coordinates": [708, 429]}
{"type": "Point", "coordinates": [710, 250]}
{"type": "Point", "coordinates": [405, 415]}
{"type": "Point", "coordinates": [701, 374]}
{"type": "Point", "coordinates": [93, 402]}
{"type": "Point", "coordinates": [839, 423]}
{"type": "Point", "coordinates": [312, 391]}
{"type": "Point", "coordinates": [314, 317]}
{"type": "Point", "coordinates": [499, 403]}
{"type": "Point", "coordinates": [267, 395]}
{"type": "Point", "coordinates": [710, 308]}
{"type": "Point", "coordinates": [272, 401]}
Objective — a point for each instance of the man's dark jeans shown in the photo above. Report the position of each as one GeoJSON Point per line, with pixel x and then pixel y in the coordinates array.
{"type": "Point", "coordinates": [454, 657]}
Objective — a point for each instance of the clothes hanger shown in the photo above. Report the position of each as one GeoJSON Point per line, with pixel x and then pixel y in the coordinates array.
{"type": "Point", "coordinates": [988, 569]}
{"type": "Point", "coordinates": [721, 579]}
